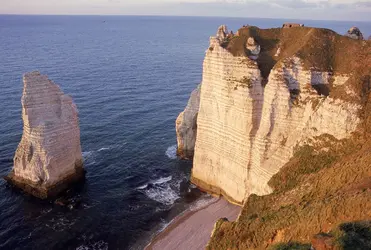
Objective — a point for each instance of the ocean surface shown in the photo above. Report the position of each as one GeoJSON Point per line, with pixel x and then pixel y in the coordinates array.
{"type": "Point", "coordinates": [130, 77]}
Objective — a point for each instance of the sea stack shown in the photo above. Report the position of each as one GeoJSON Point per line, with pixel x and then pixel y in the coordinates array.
{"type": "Point", "coordinates": [186, 126]}
{"type": "Point", "coordinates": [48, 158]}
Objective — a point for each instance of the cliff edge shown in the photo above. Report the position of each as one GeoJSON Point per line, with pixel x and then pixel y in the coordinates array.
{"type": "Point", "coordinates": [49, 157]}
{"type": "Point", "coordinates": [283, 129]}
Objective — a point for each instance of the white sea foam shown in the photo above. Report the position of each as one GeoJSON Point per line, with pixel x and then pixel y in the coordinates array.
{"type": "Point", "coordinates": [162, 180]}
{"type": "Point", "coordinates": [88, 157]}
{"type": "Point", "coordinates": [103, 149]}
{"type": "Point", "coordinates": [156, 182]}
{"type": "Point", "coordinates": [87, 154]}
{"type": "Point", "coordinates": [162, 190]}
{"type": "Point", "coordinates": [100, 245]}
{"type": "Point", "coordinates": [171, 152]}
{"type": "Point", "coordinates": [164, 195]}
{"type": "Point", "coordinates": [60, 224]}
{"type": "Point", "coordinates": [142, 187]}
{"type": "Point", "coordinates": [203, 202]}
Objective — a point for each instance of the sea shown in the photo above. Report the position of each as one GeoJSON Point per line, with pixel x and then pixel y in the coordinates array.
{"type": "Point", "coordinates": [130, 77]}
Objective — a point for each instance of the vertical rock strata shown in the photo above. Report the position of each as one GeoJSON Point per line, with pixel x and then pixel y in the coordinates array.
{"type": "Point", "coordinates": [248, 127]}
{"type": "Point", "coordinates": [295, 109]}
{"type": "Point", "coordinates": [229, 115]}
{"type": "Point", "coordinates": [186, 126]}
{"type": "Point", "coordinates": [48, 158]}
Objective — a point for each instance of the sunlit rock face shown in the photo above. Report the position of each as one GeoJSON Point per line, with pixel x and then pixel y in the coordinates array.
{"type": "Point", "coordinates": [296, 107]}
{"type": "Point", "coordinates": [186, 126]}
{"type": "Point", "coordinates": [230, 106]}
{"type": "Point", "coordinates": [48, 158]}
{"type": "Point", "coordinates": [248, 127]}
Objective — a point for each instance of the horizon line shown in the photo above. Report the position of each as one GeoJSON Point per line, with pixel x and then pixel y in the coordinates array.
{"type": "Point", "coordinates": [197, 16]}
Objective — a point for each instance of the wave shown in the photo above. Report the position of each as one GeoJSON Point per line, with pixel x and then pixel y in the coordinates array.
{"type": "Point", "coordinates": [171, 152]}
{"type": "Point", "coordinates": [87, 154]}
{"type": "Point", "coordinates": [90, 156]}
{"type": "Point", "coordinates": [156, 182]}
{"type": "Point", "coordinates": [142, 187]}
{"type": "Point", "coordinates": [100, 245]}
{"type": "Point", "coordinates": [165, 195]}
{"type": "Point", "coordinates": [162, 190]}
{"type": "Point", "coordinates": [162, 180]}
{"type": "Point", "coordinates": [205, 201]}
{"type": "Point", "coordinates": [103, 149]}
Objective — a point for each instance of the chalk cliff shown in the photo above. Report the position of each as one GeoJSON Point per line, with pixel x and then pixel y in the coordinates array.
{"type": "Point", "coordinates": [263, 94]}
{"type": "Point", "coordinates": [48, 158]}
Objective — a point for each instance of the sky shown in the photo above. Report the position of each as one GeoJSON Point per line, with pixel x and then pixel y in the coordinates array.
{"type": "Point", "coordinates": [353, 10]}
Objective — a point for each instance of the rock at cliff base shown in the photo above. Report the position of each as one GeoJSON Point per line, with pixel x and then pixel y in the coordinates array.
{"type": "Point", "coordinates": [186, 126]}
{"type": "Point", "coordinates": [355, 33]}
{"type": "Point", "coordinates": [48, 158]}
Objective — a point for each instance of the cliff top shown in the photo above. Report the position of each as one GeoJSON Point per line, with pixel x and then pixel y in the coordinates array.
{"type": "Point", "coordinates": [320, 49]}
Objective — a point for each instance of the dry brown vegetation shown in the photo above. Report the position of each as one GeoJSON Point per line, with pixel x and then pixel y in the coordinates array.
{"type": "Point", "coordinates": [315, 192]}
{"type": "Point", "coordinates": [326, 186]}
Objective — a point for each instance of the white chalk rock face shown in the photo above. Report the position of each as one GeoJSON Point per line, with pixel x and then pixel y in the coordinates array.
{"type": "Point", "coordinates": [48, 158]}
{"type": "Point", "coordinates": [247, 132]}
{"type": "Point", "coordinates": [222, 33]}
{"type": "Point", "coordinates": [186, 126]}
{"type": "Point", "coordinates": [230, 103]}
{"type": "Point", "coordinates": [296, 107]}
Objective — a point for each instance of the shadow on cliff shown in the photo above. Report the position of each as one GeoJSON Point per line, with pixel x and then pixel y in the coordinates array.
{"type": "Point", "coordinates": [266, 59]}
{"type": "Point", "coordinates": [268, 44]}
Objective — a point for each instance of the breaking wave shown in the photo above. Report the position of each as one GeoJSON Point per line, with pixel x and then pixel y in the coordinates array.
{"type": "Point", "coordinates": [171, 152]}
{"type": "Point", "coordinates": [162, 190]}
{"type": "Point", "coordinates": [103, 149]}
{"type": "Point", "coordinates": [162, 180]}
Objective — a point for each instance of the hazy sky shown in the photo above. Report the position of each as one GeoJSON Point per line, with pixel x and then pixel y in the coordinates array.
{"type": "Point", "coordinates": [304, 9]}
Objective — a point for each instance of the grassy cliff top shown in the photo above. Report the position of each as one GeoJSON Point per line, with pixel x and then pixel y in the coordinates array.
{"type": "Point", "coordinates": [320, 49]}
{"type": "Point", "coordinates": [325, 189]}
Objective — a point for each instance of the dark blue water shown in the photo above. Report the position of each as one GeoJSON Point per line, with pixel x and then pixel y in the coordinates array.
{"type": "Point", "coordinates": [130, 77]}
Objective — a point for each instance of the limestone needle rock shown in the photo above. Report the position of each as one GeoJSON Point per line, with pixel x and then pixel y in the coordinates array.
{"type": "Point", "coordinates": [49, 157]}
{"type": "Point", "coordinates": [186, 126]}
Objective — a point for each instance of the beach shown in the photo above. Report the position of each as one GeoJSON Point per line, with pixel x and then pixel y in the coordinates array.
{"type": "Point", "coordinates": [192, 229]}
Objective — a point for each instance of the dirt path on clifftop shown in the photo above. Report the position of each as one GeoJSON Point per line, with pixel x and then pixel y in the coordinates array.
{"type": "Point", "coordinates": [192, 230]}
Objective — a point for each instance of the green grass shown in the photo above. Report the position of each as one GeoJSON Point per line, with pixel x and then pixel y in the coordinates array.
{"type": "Point", "coordinates": [291, 246]}
{"type": "Point", "coordinates": [355, 235]}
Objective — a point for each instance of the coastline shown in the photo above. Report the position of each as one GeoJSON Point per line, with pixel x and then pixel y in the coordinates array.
{"type": "Point", "coordinates": [192, 229]}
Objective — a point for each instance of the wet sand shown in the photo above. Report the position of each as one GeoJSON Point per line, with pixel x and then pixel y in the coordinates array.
{"type": "Point", "coordinates": [192, 230]}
